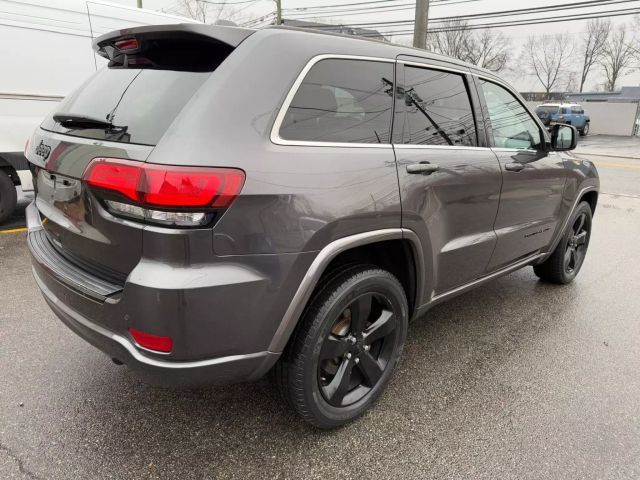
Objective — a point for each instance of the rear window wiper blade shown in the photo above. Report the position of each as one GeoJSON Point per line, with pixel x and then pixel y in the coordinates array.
{"type": "Point", "coordinates": [74, 120]}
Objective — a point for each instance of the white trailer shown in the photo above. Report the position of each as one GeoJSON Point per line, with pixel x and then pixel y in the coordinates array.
{"type": "Point", "coordinates": [45, 52]}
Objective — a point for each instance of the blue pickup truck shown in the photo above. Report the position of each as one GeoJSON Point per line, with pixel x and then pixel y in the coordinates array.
{"type": "Point", "coordinates": [568, 113]}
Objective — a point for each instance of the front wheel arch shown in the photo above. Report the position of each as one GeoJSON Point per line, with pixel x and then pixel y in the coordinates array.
{"type": "Point", "coordinates": [591, 198]}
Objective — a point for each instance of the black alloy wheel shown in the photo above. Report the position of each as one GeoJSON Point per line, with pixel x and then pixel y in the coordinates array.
{"type": "Point", "coordinates": [567, 259]}
{"type": "Point", "coordinates": [342, 354]}
{"type": "Point", "coordinates": [577, 244]}
{"type": "Point", "coordinates": [357, 350]}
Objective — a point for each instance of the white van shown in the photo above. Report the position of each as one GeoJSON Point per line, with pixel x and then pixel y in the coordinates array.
{"type": "Point", "coordinates": [45, 52]}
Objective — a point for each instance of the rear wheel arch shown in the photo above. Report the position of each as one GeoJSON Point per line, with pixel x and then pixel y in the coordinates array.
{"type": "Point", "coordinates": [395, 256]}
{"type": "Point", "coordinates": [395, 250]}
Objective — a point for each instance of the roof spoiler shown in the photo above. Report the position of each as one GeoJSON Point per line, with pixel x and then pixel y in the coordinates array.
{"type": "Point", "coordinates": [169, 46]}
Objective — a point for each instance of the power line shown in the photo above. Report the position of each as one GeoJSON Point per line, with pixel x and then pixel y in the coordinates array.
{"type": "Point", "coordinates": [389, 8]}
{"type": "Point", "coordinates": [343, 4]}
{"type": "Point", "coordinates": [613, 13]}
{"type": "Point", "coordinates": [503, 13]}
{"type": "Point", "coordinates": [227, 3]}
{"type": "Point", "coordinates": [259, 20]}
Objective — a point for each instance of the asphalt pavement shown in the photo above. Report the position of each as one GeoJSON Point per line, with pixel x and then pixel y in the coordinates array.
{"type": "Point", "coordinates": [515, 380]}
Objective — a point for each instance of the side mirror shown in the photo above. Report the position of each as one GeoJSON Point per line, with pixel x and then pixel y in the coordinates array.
{"type": "Point", "coordinates": [563, 137]}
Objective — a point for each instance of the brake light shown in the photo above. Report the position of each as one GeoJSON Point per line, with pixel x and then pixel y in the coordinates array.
{"type": "Point", "coordinates": [164, 186]}
{"type": "Point", "coordinates": [126, 44]}
{"type": "Point", "coordinates": [119, 177]}
{"type": "Point", "coordinates": [152, 342]}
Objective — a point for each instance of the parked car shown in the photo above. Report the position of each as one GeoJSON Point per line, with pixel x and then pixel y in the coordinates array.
{"type": "Point", "coordinates": [216, 210]}
{"type": "Point", "coordinates": [568, 114]}
{"type": "Point", "coordinates": [55, 53]}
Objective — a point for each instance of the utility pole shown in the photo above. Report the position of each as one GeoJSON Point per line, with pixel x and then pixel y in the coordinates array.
{"type": "Point", "coordinates": [278, 12]}
{"type": "Point", "coordinates": [139, 2]}
{"type": "Point", "coordinates": [420, 26]}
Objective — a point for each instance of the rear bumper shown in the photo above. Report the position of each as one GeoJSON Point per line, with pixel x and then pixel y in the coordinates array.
{"type": "Point", "coordinates": [220, 334]}
{"type": "Point", "coordinates": [231, 369]}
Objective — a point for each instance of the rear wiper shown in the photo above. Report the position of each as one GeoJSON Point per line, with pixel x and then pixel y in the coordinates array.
{"type": "Point", "coordinates": [73, 120]}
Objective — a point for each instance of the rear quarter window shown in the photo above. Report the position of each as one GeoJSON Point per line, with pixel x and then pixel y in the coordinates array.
{"type": "Point", "coordinates": [342, 101]}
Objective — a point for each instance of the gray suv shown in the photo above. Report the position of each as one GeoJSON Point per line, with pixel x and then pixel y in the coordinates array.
{"type": "Point", "coordinates": [221, 203]}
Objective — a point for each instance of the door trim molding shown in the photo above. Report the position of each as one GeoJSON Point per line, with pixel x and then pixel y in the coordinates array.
{"type": "Point", "coordinates": [479, 281]}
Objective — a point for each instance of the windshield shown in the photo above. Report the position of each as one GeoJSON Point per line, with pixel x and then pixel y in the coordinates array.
{"type": "Point", "coordinates": [136, 105]}
{"type": "Point", "coordinates": [547, 108]}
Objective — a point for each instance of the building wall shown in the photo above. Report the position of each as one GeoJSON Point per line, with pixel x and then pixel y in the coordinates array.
{"type": "Point", "coordinates": [608, 118]}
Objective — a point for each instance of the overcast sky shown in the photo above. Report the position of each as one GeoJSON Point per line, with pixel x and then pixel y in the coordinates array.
{"type": "Point", "coordinates": [246, 11]}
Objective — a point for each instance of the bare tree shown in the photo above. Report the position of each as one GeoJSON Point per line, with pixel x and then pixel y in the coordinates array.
{"type": "Point", "coordinates": [635, 29]}
{"type": "Point", "coordinates": [483, 48]}
{"type": "Point", "coordinates": [618, 54]}
{"type": "Point", "coordinates": [593, 45]}
{"type": "Point", "coordinates": [489, 50]}
{"type": "Point", "coordinates": [203, 10]}
{"type": "Point", "coordinates": [453, 39]}
{"type": "Point", "coordinates": [571, 82]}
{"type": "Point", "coordinates": [548, 59]}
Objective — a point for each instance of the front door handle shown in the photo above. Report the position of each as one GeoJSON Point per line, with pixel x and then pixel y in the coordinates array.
{"type": "Point", "coordinates": [423, 168]}
{"type": "Point", "coordinates": [514, 167]}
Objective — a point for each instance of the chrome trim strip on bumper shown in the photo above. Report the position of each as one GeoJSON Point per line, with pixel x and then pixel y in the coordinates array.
{"type": "Point", "coordinates": [129, 346]}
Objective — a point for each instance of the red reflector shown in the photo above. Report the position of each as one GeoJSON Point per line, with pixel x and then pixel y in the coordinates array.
{"type": "Point", "coordinates": [152, 342]}
{"type": "Point", "coordinates": [166, 185]}
{"type": "Point", "coordinates": [126, 44]}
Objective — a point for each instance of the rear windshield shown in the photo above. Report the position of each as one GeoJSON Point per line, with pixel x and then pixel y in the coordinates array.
{"type": "Point", "coordinates": [140, 104]}
{"type": "Point", "coordinates": [547, 108]}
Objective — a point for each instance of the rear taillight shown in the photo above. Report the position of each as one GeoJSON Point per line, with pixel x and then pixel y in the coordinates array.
{"type": "Point", "coordinates": [183, 196]}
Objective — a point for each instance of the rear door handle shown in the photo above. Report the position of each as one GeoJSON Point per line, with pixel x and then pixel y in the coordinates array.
{"type": "Point", "coordinates": [423, 168]}
{"type": "Point", "coordinates": [514, 167]}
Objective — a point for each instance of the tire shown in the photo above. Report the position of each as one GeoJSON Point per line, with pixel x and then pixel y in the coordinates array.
{"type": "Point", "coordinates": [308, 374]}
{"type": "Point", "coordinates": [585, 130]}
{"type": "Point", "coordinates": [568, 257]}
{"type": "Point", "coordinates": [8, 196]}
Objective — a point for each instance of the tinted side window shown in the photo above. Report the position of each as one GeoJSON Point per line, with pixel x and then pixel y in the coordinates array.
{"type": "Point", "coordinates": [437, 108]}
{"type": "Point", "coordinates": [511, 124]}
{"type": "Point", "coordinates": [342, 100]}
